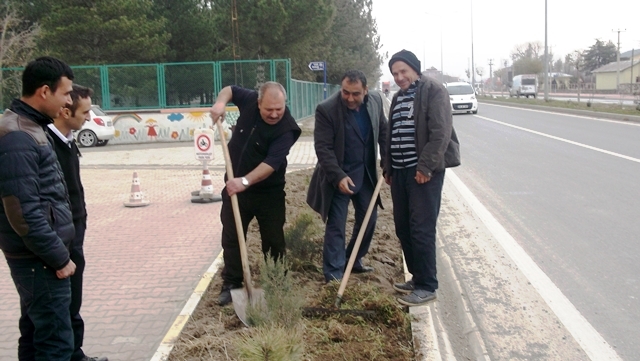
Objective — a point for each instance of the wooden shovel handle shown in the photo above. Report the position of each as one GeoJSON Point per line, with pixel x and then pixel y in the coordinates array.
{"type": "Point", "coordinates": [356, 246]}
{"type": "Point", "coordinates": [236, 214]}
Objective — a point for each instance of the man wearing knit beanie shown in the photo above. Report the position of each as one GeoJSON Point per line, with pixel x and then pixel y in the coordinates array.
{"type": "Point", "coordinates": [421, 143]}
{"type": "Point", "coordinates": [408, 57]}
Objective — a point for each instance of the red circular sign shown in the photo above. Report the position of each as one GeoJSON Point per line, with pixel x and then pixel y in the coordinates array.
{"type": "Point", "coordinates": [203, 142]}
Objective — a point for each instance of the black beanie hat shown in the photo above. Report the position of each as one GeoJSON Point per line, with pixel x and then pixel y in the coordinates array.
{"type": "Point", "coordinates": [408, 57]}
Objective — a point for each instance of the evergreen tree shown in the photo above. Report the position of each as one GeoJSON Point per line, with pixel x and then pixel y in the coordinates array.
{"type": "Point", "coordinates": [599, 54]}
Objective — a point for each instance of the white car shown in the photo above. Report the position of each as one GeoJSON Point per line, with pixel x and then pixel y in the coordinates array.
{"type": "Point", "coordinates": [96, 131]}
{"type": "Point", "coordinates": [463, 98]}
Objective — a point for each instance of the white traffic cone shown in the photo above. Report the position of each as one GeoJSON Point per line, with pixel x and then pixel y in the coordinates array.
{"type": "Point", "coordinates": [137, 198]}
{"type": "Point", "coordinates": [205, 195]}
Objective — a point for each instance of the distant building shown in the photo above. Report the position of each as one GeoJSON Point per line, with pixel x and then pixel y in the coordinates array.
{"type": "Point", "coordinates": [432, 72]}
{"type": "Point", "coordinates": [606, 75]}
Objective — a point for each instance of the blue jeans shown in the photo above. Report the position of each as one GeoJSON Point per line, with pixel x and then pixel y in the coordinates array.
{"type": "Point", "coordinates": [45, 324]}
{"type": "Point", "coordinates": [334, 255]}
{"type": "Point", "coordinates": [415, 214]}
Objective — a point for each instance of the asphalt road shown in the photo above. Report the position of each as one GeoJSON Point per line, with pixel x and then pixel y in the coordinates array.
{"type": "Point", "coordinates": [566, 188]}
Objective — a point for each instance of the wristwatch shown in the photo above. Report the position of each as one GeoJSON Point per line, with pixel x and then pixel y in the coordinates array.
{"type": "Point", "coordinates": [245, 182]}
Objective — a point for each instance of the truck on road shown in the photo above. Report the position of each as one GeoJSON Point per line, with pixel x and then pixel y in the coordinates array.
{"type": "Point", "coordinates": [524, 85]}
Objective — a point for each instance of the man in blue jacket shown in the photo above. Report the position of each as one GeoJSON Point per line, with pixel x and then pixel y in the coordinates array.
{"type": "Point", "coordinates": [349, 126]}
{"type": "Point", "coordinates": [36, 226]}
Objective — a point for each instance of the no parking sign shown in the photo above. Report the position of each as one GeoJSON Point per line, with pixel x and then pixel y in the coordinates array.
{"type": "Point", "coordinates": [203, 144]}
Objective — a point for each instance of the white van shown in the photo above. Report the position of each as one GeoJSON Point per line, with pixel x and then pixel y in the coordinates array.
{"type": "Point", "coordinates": [524, 85]}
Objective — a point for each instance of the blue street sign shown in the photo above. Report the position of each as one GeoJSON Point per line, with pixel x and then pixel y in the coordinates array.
{"type": "Point", "coordinates": [316, 65]}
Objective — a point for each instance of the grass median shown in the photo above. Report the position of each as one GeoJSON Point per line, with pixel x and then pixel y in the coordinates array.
{"type": "Point", "coordinates": [585, 104]}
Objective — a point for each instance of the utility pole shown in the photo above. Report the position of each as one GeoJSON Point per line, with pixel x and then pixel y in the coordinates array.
{"type": "Point", "coordinates": [473, 64]}
{"type": "Point", "coordinates": [618, 61]}
{"type": "Point", "coordinates": [491, 73]}
{"type": "Point", "coordinates": [631, 80]}
{"type": "Point", "coordinates": [441, 63]}
{"type": "Point", "coordinates": [546, 55]}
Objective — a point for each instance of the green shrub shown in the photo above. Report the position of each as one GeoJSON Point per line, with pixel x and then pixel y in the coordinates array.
{"type": "Point", "coordinates": [271, 343]}
{"type": "Point", "coordinates": [283, 301]}
{"type": "Point", "coordinates": [303, 249]}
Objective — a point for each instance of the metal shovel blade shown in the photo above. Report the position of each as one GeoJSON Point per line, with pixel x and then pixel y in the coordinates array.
{"type": "Point", "coordinates": [241, 300]}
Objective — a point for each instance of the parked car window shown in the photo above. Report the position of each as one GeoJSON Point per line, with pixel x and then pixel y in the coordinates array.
{"type": "Point", "coordinates": [96, 109]}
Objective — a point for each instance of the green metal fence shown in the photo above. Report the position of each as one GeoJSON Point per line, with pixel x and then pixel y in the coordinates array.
{"type": "Point", "coordinates": [306, 95]}
{"type": "Point", "coordinates": [178, 85]}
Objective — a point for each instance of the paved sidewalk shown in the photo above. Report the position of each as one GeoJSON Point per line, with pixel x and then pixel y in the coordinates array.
{"type": "Point", "coordinates": [142, 263]}
{"type": "Point", "coordinates": [182, 155]}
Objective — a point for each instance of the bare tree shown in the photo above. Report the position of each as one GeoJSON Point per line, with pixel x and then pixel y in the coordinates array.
{"type": "Point", "coordinates": [577, 60]}
{"type": "Point", "coordinates": [17, 43]}
{"type": "Point", "coordinates": [531, 50]}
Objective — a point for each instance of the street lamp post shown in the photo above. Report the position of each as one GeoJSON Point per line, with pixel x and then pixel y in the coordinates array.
{"type": "Point", "coordinates": [618, 61]}
{"type": "Point", "coordinates": [473, 64]}
{"type": "Point", "coordinates": [546, 54]}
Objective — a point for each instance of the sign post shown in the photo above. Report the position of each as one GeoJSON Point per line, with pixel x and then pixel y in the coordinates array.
{"type": "Point", "coordinates": [203, 147]}
{"type": "Point", "coordinates": [317, 66]}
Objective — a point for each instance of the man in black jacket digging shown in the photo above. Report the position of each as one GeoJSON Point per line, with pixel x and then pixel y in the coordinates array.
{"type": "Point", "coordinates": [265, 132]}
{"type": "Point", "coordinates": [61, 131]}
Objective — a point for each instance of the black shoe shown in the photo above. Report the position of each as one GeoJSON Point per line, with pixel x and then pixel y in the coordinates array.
{"type": "Point", "coordinates": [361, 269]}
{"type": "Point", "coordinates": [405, 287]}
{"type": "Point", "coordinates": [417, 298]}
{"type": "Point", "coordinates": [225, 294]}
{"type": "Point", "coordinates": [87, 358]}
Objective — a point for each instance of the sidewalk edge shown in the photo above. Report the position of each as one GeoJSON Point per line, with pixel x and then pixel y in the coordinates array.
{"type": "Point", "coordinates": [169, 340]}
{"type": "Point", "coordinates": [465, 313]}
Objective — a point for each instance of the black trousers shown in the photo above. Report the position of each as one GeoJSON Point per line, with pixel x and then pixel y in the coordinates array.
{"type": "Point", "coordinates": [415, 214]}
{"type": "Point", "coordinates": [269, 210]}
{"type": "Point", "coordinates": [77, 256]}
{"type": "Point", "coordinates": [334, 256]}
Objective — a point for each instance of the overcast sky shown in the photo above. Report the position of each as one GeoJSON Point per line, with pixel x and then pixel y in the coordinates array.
{"type": "Point", "coordinates": [498, 27]}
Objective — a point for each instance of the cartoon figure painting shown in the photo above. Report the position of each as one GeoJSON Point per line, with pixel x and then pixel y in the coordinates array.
{"type": "Point", "coordinates": [152, 124]}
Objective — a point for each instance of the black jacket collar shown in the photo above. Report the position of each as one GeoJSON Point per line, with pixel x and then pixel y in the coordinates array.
{"type": "Point", "coordinates": [21, 108]}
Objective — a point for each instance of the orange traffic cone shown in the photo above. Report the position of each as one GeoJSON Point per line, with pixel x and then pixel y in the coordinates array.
{"type": "Point", "coordinates": [205, 194]}
{"type": "Point", "coordinates": [136, 199]}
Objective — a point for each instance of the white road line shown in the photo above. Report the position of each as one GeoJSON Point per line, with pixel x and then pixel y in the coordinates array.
{"type": "Point", "coordinates": [567, 115]}
{"type": "Point", "coordinates": [563, 140]}
{"type": "Point", "coordinates": [589, 339]}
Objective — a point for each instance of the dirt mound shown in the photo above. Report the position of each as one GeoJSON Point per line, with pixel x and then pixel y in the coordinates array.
{"type": "Point", "coordinates": [211, 332]}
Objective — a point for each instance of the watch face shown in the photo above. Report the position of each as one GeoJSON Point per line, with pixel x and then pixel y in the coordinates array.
{"type": "Point", "coordinates": [245, 182]}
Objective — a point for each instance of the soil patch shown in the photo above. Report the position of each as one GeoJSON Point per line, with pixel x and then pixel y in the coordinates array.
{"type": "Point", "coordinates": [212, 332]}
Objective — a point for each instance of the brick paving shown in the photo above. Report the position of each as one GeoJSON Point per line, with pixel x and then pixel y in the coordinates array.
{"type": "Point", "coordinates": [142, 263]}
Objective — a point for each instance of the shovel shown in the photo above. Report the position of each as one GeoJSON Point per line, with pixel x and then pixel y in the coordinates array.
{"type": "Point", "coordinates": [241, 297]}
{"type": "Point", "coordinates": [318, 311]}
{"type": "Point", "coordinates": [356, 246]}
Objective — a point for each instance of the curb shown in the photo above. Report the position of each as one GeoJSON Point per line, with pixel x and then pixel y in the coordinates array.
{"type": "Point", "coordinates": [585, 113]}
{"type": "Point", "coordinates": [465, 313]}
{"type": "Point", "coordinates": [169, 340]}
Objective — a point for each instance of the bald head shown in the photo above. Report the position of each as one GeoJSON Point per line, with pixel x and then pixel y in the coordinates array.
{"type": "Point", "coordinates": [271, 102]}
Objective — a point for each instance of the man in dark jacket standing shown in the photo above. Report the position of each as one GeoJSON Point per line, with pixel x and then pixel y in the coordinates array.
{"type": "Point", "coordinates": [61, 131]}
{"type": "Point", "coordinates": [36, 226]}
{"type": "Point", "coordinates": [421, 143]}
{"type": "Point", "coordinates": [265, 132]}
{"type": "Point", "coordinates": [348, 127]}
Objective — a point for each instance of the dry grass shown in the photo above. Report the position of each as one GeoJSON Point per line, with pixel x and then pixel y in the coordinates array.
{"type": "Point", "coordinates": [215, 333]}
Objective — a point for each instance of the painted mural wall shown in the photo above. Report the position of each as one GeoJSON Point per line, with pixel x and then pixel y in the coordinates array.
{"type": "Point", "coordinates": [165, 127]}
